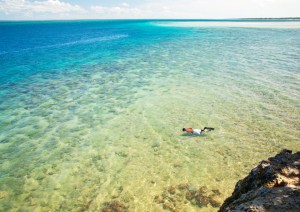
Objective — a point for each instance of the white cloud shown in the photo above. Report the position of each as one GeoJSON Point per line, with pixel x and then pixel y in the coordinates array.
{"type": "Point", "coordinates": [146, 10]}
{"type": "Point", "coordinates": [201, 9]}
{"type": "Point", "coordinates": [60, 9]}
{"type": "Point", "coordinates": [117, 11]}
{"type": "Point", "coordinates": [47, 6]}
{"type": "Point", "coordinates": [263, 3]}
{"type": "Point", "coordinates": [223, 8]}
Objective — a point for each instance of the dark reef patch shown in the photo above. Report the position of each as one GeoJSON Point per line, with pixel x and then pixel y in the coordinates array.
{"type": "Point", "coordinates": [174, 196]}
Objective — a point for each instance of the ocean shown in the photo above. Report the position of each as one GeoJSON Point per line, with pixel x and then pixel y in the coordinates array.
{"type": "Point", "coordinates": [92, 111]}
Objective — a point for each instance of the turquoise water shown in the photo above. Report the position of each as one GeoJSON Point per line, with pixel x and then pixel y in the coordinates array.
{"type": "Point", "coordinates": [92, 111]}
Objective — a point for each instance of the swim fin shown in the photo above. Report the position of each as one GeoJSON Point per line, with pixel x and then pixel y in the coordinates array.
{"type": "Point", "coordinates": [208, 128]}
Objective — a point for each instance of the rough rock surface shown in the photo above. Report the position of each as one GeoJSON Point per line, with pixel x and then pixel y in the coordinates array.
{"type": "Point", "coordinates": [273, 185]}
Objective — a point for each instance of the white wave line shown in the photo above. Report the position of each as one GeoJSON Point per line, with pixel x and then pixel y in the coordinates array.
{"type": "Point", "coordinates": [73, 43]}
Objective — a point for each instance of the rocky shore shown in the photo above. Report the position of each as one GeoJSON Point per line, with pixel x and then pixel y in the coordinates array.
{"type": "Point", "coordinates": [273, 185]}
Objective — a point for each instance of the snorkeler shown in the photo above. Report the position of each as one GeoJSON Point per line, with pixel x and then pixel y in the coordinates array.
{"type": "Point", "coordinates": [197, 131]}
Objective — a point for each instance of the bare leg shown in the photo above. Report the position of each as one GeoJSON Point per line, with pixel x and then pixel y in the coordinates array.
{"type": "Point", "coordinates": [208, 128]}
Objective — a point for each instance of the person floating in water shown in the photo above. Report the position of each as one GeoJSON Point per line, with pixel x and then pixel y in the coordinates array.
{"type": "Point", "coordinates": [197, 131]}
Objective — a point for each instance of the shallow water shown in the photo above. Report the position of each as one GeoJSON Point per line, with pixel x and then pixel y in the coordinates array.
{"type": "Point", "coordinates": [273, 24]}
{"type": "Point", "coordinates": [92, 111]}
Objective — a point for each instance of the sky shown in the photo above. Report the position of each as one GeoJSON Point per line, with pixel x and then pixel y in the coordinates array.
{"type": "Point", "coordinates": [146, 9]}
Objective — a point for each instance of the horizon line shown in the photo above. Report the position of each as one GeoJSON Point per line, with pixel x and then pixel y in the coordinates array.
{"type": "Point", "coordinates": [151, 19]}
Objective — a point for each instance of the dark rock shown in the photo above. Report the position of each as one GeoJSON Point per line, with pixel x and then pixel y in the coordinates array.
{"type": "Point", "coordinates": [202, 200]}
{"type": "Point", "coordinates": [114, 206]}
{"type": "Point", "coordinates": [182, 186]}
{"type": "Point", "coordinates": [203, 189]}
{"type": "Point", "coordinates": [158, 200]}
{"type": "Point", "coordinates": [190, 195]}
{"type": "Point", "coordinates": [213, 201]}
{"type": "Point", "coordinates": [172, 189]}
{"type": "Point", "coordinates": [169, 206]}
{"type": "Point", "coordinates": [273, 185]}
{"type": "Point", "coordinates": [184, 193]}
{"type": "Point", "coordinates": [216, 192]}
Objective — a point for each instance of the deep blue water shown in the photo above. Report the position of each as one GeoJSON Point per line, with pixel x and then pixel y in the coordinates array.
{"type": "Point", "coordinates": [30, 48]}
{"type": "Point", "coordinates": [27, 48]}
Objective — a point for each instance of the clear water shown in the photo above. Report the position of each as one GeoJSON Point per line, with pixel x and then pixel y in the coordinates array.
{"type": "Point", "coordinates": [92, 111]}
